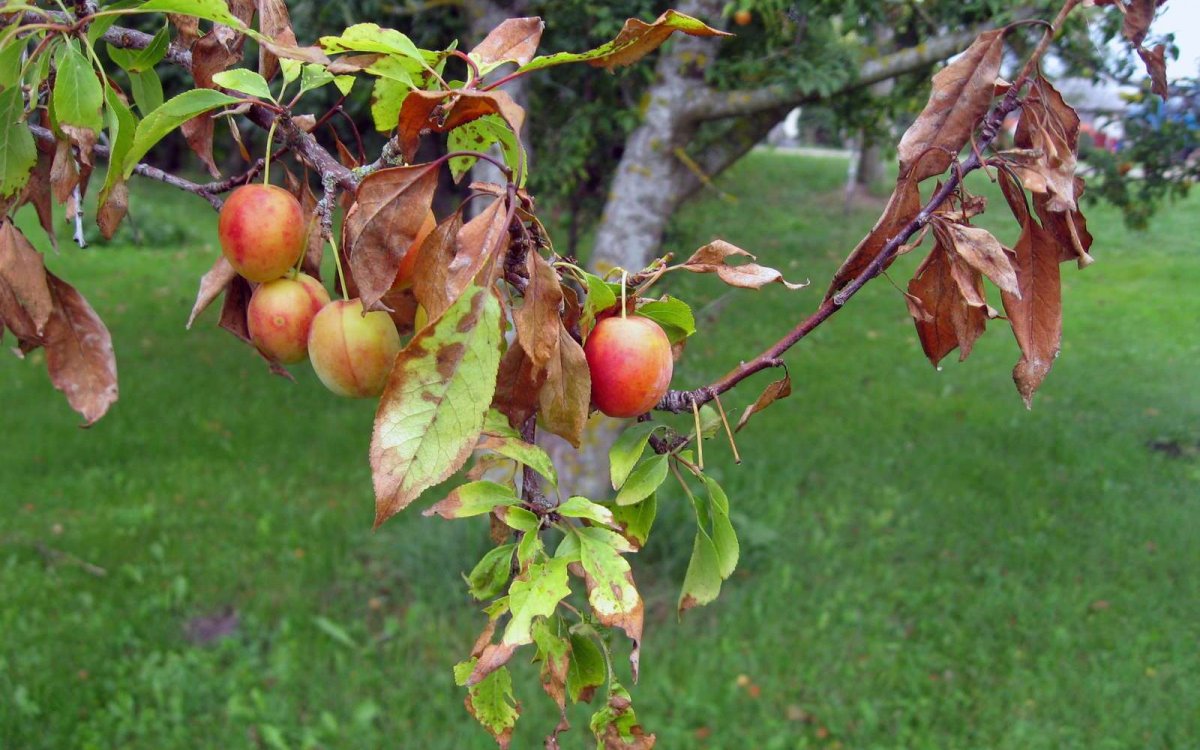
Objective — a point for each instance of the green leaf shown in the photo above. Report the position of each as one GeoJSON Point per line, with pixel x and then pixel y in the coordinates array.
{"type": "Point", "coordinates": [530, 549]}
{"type": "Point", "coordinates": [518, 518]}
{"type": "Point", "coordinates": [535, 593]}
{"type": "Point", "coordinates": [635, 520]}
{"type": "Point", "coordinates": [644, 480]}
{"type": "Point", "coordinates": [344, 84]}
{"type": "Point", "coordinates": [568, 548]}
{"type": "Point", "coordinates": [490, 575]}
{"type": "Point", "coordinates": [141, 60]}
{"type": "Point", "coordinates": [121, 127]}
{"type": "Point", "coordinates": [473, 499]}
{"type": "Point", "coordinates": [18, 152]}
{"type": "Point", "coordinates": [314, 76]}
{"type": "Point", "coordinates": [627, 450]}
{"type": "Point", "coordinates": [601, 295]}
{"type": "Point", "coordinates": [523, 453]}
{"type": "Point", "coordinates": [369, 37]}
{"type": "Point", "coordinates": [587, 671]}
{"type": "Point", "coordinates": [724, 538]}
{"type": "Point", "coordinates": [246, 81]}
{"type": "Point", "coordinates": [173, 113]}
{"type": "Point", "coordinates": [386, 100]}
{"type": "Point", "coordinates": [581, 507]}
{"type": "Point", "coordinates": [637, 38]}
{"type": "Point", "coordinates": [480, 135]}
{"type": "Point", "coordinates": [290, 69]}
{"type": "Point", "coordinates": [702, 582]}
{"type": "Point", "coordinates": [78, 94]}
{"type": "Point", "coordinates": [710, 421]}
{"type": "Point", "coordinates": [10, 62]}
{"type": "Point", "coordinates": [673, 315]}
{"type": "Point", "coordinates": [433, 406]}
{"type": "Point", "coordinates": [492, 704]}
{"type": "Point", "coordinates": [209, 10]}
{"type": "Point", "coordinates": [147, 90]}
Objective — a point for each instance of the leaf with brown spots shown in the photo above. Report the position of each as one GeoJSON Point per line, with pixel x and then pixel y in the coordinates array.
{"type": "Point", "coordinates": [611, 591]}
{"type": "Point", "coordinates": [64, 175]}
{"type": "Point", "coordinates": [514, 40]}
{"type": "Point", "coordinates": [23, 270]}
{"type": "Point", "coordinates": [902, 207]}
{"type": "Point", "coordinates": [961, 95]}
{"type": "Point", "coordinates": [79, 353]}
{"type": "Point", "coordinates": [714, 258]}
{"type": "Point", "coordinates": [567, 392]}
{"type": "Point", "coordinates": [1155, 61]}
{"type": "Point", "coordinates": [1139, 14]}
{"type": "Point", "coordinates": [436, 112]}
{"type": "Point", "coordinates": [387, 214]}
{"type": "Point", "coordinates": [113, 209]}
{"type": "Point", "coordinates": [945, 320]}
{"type": "Point", "coordinates": [433, 406]}
{"type": "Point", "coordinates": [519, 386]}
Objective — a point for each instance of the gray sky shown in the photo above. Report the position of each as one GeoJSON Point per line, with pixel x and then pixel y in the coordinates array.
{"type": "Point", "coordinates": [1182, 18]}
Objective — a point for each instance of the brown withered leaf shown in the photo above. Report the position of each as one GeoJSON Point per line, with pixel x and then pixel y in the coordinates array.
{"type": "Point", "coordinates": [188, 27]}
{"type": "Point", "coordinates": [212, 284]}
{"type": "Point", "coordinates": [518, 386]}
{"type": "Point", "coordinates": [1156, 67]}
{"type": "Point", "coordinates": [464, 255]}
{"type": "Point", "coordinates": [114, 204]}
{"type": "Point", "coordinates": [351, 64]}
{"type": "Point", "coordinates": [980, 250]}
{"type": "Point", "coordinates": [212, 53]}
{"type": "Point", "coordinates": [64, 175]}
{"type": "Point", "coordinates": [14, 316]}
{"type": "Point", "coordinates": [1139, 14]}
{"type": "Point", "coordinates": [715, 256]}
{"type": "Point", "coordinates": [37, 191]}
{"type": "Point", "coordinates": [772, 393]}
{"type": "Point", "coordinates": [567, 393]}
{"type": "Point", "coordinates": [431, 272]}
{"type": "Point", "coordinates": [638, 38]}
{"type": "Point", "coordinates": [1035, 315]}
{"type": "Point", "coordinates": [902, 207]}
{"type": "Point", "coordinates": [961, 95]}
{"type": "Point", "coordinates": [612, 739]}
{"type": "Point", "coordinates": [273, 20]}
{"type": "Point", "coordinates": [1068, 228]}
{"type": "Point", "coordinates": [79, 353]}
{"type": "Point", "coordinates": [233, 309]}
{"type": "Point", "coordinates": [944, 319]}
{"type": "Point", "coordinates": [537, 319]}
{"type": "Point", "coordinates": [436, 112]}
{"type": "Point", "coordinates": [1049, 125]}
{"type": "Point", "coordinates": [514, 40]}
{"type": "Point", "coordinates": [387, 214]}
{"type": "Point", "coordinates": [345, 155]}
{"type": "Point", "coordinates": [23, 270]}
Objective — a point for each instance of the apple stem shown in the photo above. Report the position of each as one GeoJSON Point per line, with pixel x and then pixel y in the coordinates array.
{"type": "Point", "coordinates": [337, 259]}
{"type": "Point", "coordinates": [624, 274]}
{"type": "Point", "coordinates": [267, 158]}
{"type": "Point", "coordinates": [737, 458]}
{"type": "Point", "coordinates": [699, 437]}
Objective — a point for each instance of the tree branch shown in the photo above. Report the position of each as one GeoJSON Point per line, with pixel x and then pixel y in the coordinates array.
{"type": "Point", "coordinates": [679, 401]}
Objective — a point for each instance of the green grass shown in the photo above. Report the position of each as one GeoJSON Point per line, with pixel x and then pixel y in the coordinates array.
{"type": "Point", "coordinates": [925, 564]}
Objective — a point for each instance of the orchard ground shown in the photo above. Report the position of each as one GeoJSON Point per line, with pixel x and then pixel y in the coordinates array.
{"type": "Point", "coordinates": [925, 564]}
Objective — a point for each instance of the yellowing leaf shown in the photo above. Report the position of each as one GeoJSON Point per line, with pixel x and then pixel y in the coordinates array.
{"type": "Point", "coordinates": [433, 406]}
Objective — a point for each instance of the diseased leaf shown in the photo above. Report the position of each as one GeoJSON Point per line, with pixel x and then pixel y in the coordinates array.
{"type": "Point", "coordinates": [122, 126]}
{"type": "Point", "coordinates": [212, 53]}
{"type": "Point", "coordinates": [772, 393]}
{"type": "Point", "coordinates": [567, 392]}
{"type": "Point", "coordinates": [473, 499]}
{"type": "Point", "coordinates": [1139, 14]}
{"type": "Point", "coordinates": [615, 724]}
{"type": "Point", "coordinates": [490, 576]}
{"type": "Point", "coordinates": [581, 507]}
{"type": "Point", "coordinates": [169, 116]}
{"type": "Point", "coordinates": [18, 152]}
{"type": "Point", "coordinates": [627, 450]}
{"type": "Point", "coordinates": [514, 40]}
{"type": "Point", "coordinates": [23, 270]}
{"type": "Point", "coordinates": [114, 203]}
{"type": "Point", "coordinates": [714, 258]}
{"type": "Point", "coordinates": [644, 479]}
{"type": "Point", "coordinates": [961, 95]}
{"type": "Point", "coordinates": [37, 191]}
{"type": "Point", "coordinates": [523, 453]}
{"type": "Point", "coordinates": [537, 318]}
{"type": "Point", "coordinates": [233, 308]}
{"type": "Point", "coordinates": [79, 353]}
{"type": "Point", "coordinates": [554, 652]}
{"type": "Point", "coordinates": [1050, 126]}
{"type": "Point", "coordinates": [981, 251]}
{"type": "Point", "coordinates": [274, 22]}
{"type": "Point", "coordinates": [492, 704]}
{"type": "Point", "coordinates": [435, 111]}
{"type": "Point", "coordinates": [902, 207]}
{"type": "Point", "coordinates": [635, 520]}
{"type": "Point", "coordinates": [433, 406]}
{"type": "Point", "coordinates": [518, 386]}
{"type": "Point", "coordinates": [702, 582]}
{"type": "Point", "coordinates": [452, 256]}
{"type": "Point", "coordinates": [64, 174]}
{"type": "Point", "coordinates": [516, 517]}
{"type": "Point", "coordinates": [944, 319]}
{"type": "Point", "coordinates": [611, 590]}
{"type": "Point", "coordinates": [534, 594]}
{"type": "Point", "coordinates": [212, 284]}
{"type": "Point", "coordinates": [1156, 67]}
{"type": "Point", "coordinates": [388, 212]}
{"type": "Point", "coordinates": [480, 135]}
{"type": "Point", "coordinates": [636, 40]}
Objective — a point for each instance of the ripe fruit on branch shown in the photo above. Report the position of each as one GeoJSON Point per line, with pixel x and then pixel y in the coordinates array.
{"type": "Point", "coordinates": [351, 353]}
{"type": "Point", "coordinates": [631, 364]}
{"type": "Point", "coordinates": [404, 274]}
{"type": "Point", "coordinates": [743, 17]}
{"type": "Point", "coordinates": [262, 231]}
{"type": "Point", "coordinates": [280, 315]}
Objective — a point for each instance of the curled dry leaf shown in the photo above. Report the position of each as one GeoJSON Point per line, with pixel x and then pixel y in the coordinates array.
{"type": "Point", "coordinates": [388, 212]}
{"type": "Point", "coordinates": [79, 353]}
{"type": "Point", "coordinates": [212, 53]}
{"type": "Point", "coordinates": [22, 269]}
{"type": "Point", "coordinates": [439, 113]}
{"type": "Point", "coordinates": [537, 319]}
{"type": "Point", "coordinates": [431, 273]}
{"type": "Point", "coordinates": [902, 207]}
{"type": "Point", "coordinates": [961, 95]}
{"type": "Point", "coordinates": [1139, 14]}
{"type": "Point", "coordinates": [772, 393]}
{"type": "Point", "coordinates": [1049, 126]}
{"type": "Point", "coordinates": [274, 22]}
{"type": "Point", "coordinates": [514, 40]}
{"type": "Point", "coordinates": [1156, 67]}
{"type": "Point", "coordinates": [233, 309]}
{"type": "Point", "coordinates": [315, 249]}
{"type": "Point", "coordinates": [112, 211]}
{"type": "Point", "coordinates": [212, 284]}
{"type": "Point", "coordinates": [714, 258]}
{"type": "Point", "coordinates": [981, 251]}
{"type": "Point", "coordinates": [38, 192]}
{"type": "Point", "coordinates": [944, 319]}
{"type": "Point", "coordinates": [566, 394]}
{"type": "Point", "coordinates": [519, 386]}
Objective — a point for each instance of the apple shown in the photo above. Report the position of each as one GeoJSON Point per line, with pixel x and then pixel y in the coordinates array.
{"type": "Point", "coordinates": [262, 231]}
{"type": "Point", "coordinates": [352, 353]}
{"type": "Point", "coordinates": [743, 17]}
{"type": "Point", "coordinates": [631, 364]}
{"type": "Point", "coordinates": [280, 315]}
{"type": "Point", "coordinates": [408, 264]}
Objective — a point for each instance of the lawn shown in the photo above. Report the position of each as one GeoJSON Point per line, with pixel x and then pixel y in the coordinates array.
{"type": "Point", "coordinates": [925, 563]}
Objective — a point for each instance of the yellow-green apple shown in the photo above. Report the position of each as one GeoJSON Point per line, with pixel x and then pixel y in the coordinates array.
{"type": "Point", "coordinates": [351, 353]}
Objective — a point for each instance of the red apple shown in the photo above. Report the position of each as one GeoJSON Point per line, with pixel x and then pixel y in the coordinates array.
{"type": "Point", "coordinates": [408, 263]}
{"type": "Point", "coordinates": [631, 364]}
{"type": "Point", "coordinates": [351, 353]}
{"type": "Point", "coordinates": [262, 231]}
{"type": "Point", "coordinates": [280, 315]}
{"type": "Point", "coordinates": [743, 17]}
